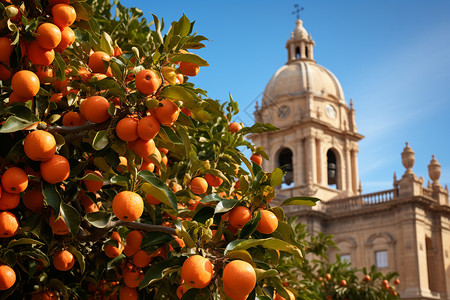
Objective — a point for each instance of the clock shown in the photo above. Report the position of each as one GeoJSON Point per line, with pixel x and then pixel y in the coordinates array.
{"type": "Point", "coordinates": [331, 111]}
{"type": "Point", "coordinates": [283, 112]}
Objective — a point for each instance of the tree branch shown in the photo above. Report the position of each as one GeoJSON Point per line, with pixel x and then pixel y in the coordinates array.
{"type": "Point", "coordinates": [148, 227]}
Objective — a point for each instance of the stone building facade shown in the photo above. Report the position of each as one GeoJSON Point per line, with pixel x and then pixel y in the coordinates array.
{"type": "Point", "coordinates": [404, 229]}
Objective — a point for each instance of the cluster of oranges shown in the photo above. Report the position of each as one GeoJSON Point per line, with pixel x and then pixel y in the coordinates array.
{"type": "Point", "coordinates": [59, 153]}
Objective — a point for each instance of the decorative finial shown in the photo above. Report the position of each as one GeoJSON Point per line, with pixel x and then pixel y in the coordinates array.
{"type": "Point", "coordinates": [297, 10]}
{"type": "Point", "coordinates": [395, 177]}
{"type": "Point", "coordinates": [434, 170]}
{"type": "Point", "coordinates": [256, 105]}
{"type": "Point", "coordinates": [360, 188]}
{"type": "Point", "coordinates": [408, 159]}
{"type": "Point", "coordinates": [351, 103]}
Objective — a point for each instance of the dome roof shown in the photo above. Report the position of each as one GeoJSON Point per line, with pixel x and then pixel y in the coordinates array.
{"type": "Point", "coordinates": [302, 76]}
{"type": "Point", "coordinates": [299, 32]}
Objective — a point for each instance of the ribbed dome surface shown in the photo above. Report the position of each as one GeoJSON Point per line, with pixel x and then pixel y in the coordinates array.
{"type": "Point", "coordinates": [299, 77]}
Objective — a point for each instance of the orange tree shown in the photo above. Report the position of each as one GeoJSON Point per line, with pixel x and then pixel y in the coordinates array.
{"type": "Point", "coordinates": [120, 178]}
{"type": "Point", "coordinates": [314, 277]}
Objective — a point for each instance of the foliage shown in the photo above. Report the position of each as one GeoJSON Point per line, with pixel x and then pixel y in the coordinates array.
{"type": "Point", "coordinates": [314, 277]}
{"type": "Point", "coordinates": [196, 144]}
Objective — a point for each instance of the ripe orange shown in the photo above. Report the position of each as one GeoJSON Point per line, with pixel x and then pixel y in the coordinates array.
{"type": "Point", "coordinates": [88, 205]}
{"type": "Point", "coordinates": [9, 201]}
{"type": "Point", "coordinates": [168, 113]}
{"type": "Point", "coordinates": [93, 185]}
{"type": "Point", "coordinates": [189, 69]}
{"type": "Point", "coordinates": [113, 251]}
{"type": "Point", "coordinates": [143, 148]}
{"type": "Point", "coordinates": [56, 97]}
{"type": "Point", "coordinates": [63, 260]}
{"type": "Point", "coordinates": [141, 259]}
{"type": "Point", "coordinates": [234, 127]}
{"type": "Point", "coordinates": [56, 169]}
{"type": "Point", "coordinates": [129, 251]}
{"type": "Point", "coordinates": [45, 74]}
{"type": "Point", "coordinates": [39, 145]}
{"type": "Point", "coordinates": [147, 165]}
{"type": "Point", "coordinates": [127, 129]}
{"type": "Point", "coordinates": [148, 127]}
{"type": "Point", "coordinates": [45, 295]}
{"type": "Point", "coordinates": [59, 227]}
{"type": "Point", "coordinates": [48, 36]}
{"type": "Point", "coordinates": [6, 50]}
{"type": "Point", "coordinates": [127, 293]}
{"type": "Point", "coordinates": [268, 222]}
{"type": "Point", "coordinates": [291, 296]}
{"type": "Point", "coordinates": [132, 277]}
{"type": "Point", "coordinates": [7, 277]}
{"type": "Point", "coordinates": [67, 39]}
{"type": "Point", "coordinates": [397, 281]}
{"type": "Point", "coordinates": [63, 15]}
{"type": "Point", "coordinates": [180, 78]}
{"type": "Point", "coordinates": [15, 98]}
{"type": "Point", "coordinates": [213, 180]}
{"type": "Point", "coordinates": [239, 216]}
{"type": "Point", "coordinates": [72, 118]}
{"type": "Point", "coordinates": [128, 206]}
{"type": "Point", "coordinates": [134, 239]}
{"type": "Point", "coordinates": [95, 109]}
{"type": "Point", "coordinates": [123, 165]}
{"type": "Point", "coordinates": [25, 84]}
{"type": "Point", "coordinates": [8, 224]}
{"type": "Point", "coordinates": [33, 200]}
{"type": "Point", "coordinates": [181, 290]}
{"type": "Point", "coordinates": [147, 81]}
{"type": "Point", "coordinates": [239, 279]}
{"type": "Point", "coordinates": [96, 61]}
{"type": "Point", "coordinates": [5, 74]}
{"type": "Point", "coordinates": [197, 271]}
{"type": "Point", "coordinates": [199, 185]}
{"type": "Point", "coordinates": [40, 56]}
{"type": "Point", "coordinates": [256, 158]}
{"type": "Point", "coordinates": [152, 200]}
{"type": "Point", "coordinates": [14, 180]}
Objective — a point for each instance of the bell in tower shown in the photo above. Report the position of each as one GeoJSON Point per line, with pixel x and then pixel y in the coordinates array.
{"type": "Point", "coordinates": [331, 168]}
{"type": "Point", "coordinates": [285, 162]}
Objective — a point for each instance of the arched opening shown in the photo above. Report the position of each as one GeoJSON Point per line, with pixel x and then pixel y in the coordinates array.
{"type": "Point", "coordinates": [306, 52]}
{"type": "Point", "coordinates": [285, 163]}
{"type": "Point", "coordinates": [297, 52]}
{"type": "Point", "coordinates": [332, 170]}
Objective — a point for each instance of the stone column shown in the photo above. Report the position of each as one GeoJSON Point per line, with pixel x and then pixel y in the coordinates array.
{"type": "Point", "coordinates": [310, 157]}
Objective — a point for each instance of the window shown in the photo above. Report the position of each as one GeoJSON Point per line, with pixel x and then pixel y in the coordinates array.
{"type": "Point", "coordinates": [345, 257]}
{"type": "Point", "coordinates": [381, 258]}
{"type": "Point", "coordinates": [285, 162]}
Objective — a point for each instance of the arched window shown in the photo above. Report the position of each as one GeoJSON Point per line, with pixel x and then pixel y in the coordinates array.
{"type": "Point", "coordinates": [332, 169]}
{"type": "Point", "coordinates": [297, 52]}
{"type": "Point", "coordinates": [306, 52]}
{"type": "Point", "coordinates": [285, 162]}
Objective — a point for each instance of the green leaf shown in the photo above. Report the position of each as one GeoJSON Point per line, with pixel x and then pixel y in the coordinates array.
{"type": "Point", "coordinates": [51, 196]}
{"type": "Point", "coordinates": [154, 238]}
{"type": "Point", "coordinates": [100, 140]}
{"type": "Point", "coordinates": [106, 43]}
{"type": "Point", "coordinates": [157, 188]}
{"type": "Point", "coordinates": [250, 226]}
{"type": "Point", "coordinates": [276, 178]}
{"type": "Point", "coordinates": [258, 128]}
{"type": "Point", "coordinates": [225, 205]}
{"type": "Point", "coordinates": [309, 201]}
{"type": "Point", "coordinates": [24, 241]}
{"type": "Point", "coordinates": [203, 214]}
{"type": "Point", "coordinates": [189, 57]}
{"type": "Point", "coordinates": [211, 198]}
{"type": "Point", "coordinates": [79, 257]}
{"type": "Point", "coordinates": [14, 124]}
{"type": "Point", "coordinates": [180, 92]}
{"type": "Point", "coordinates": [158, 271]}
{"type": "Point", "coordinates": [269, 243]}
{"type": "Point", "coordinates": [261, 274]}
{"type": "Point", "coordinates": [169, 135]}
{"type": "Point", "coordinates": [60, 67]}
{"type": "Point", "coordinates": [242, 255]}
{"type": "Point", "coordinates": [71, 217]}
{"type": "Point", "coordinates": [99, 219]}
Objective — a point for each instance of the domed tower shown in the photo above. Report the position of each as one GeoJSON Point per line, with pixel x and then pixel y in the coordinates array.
{"type": "Point", "coordinates": [317, 143]}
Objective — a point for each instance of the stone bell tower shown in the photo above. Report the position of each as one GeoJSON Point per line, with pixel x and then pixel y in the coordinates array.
{"type": "Point", "coordinates": [317, 144]}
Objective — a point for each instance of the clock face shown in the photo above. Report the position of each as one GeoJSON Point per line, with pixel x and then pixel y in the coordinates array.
{"type": "Point", "coordinates": [283, 112]}
{"type": "Point", "coordinates": [331, 111]}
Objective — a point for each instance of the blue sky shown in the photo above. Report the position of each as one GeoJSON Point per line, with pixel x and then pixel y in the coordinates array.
{"type": "Point", "coordinates": [391, 57]}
